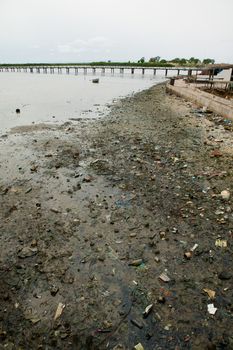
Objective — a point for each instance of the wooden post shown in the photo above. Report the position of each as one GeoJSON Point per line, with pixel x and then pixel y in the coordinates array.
{"type": "Point", "coordinates": [132, 70]}
{"type": "Point", "coordinates": [166, 70]}
{"type": "Point", "coordinates": [143, 71]}
{"type": "Point", "coordinates": [93, 70]}
{"type": "Point", "coordinates": [154, 71]}
{"type": "Point", "coordinates": [112, 70]}
{"type": "Point", "coordinates": [178, 72]}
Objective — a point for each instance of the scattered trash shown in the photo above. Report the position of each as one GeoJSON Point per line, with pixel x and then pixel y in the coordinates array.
{"type": "Point", "coordinates": [188, 255]}
{"type": "Point", "coordinates": [222, 243]}
{"type": "Point", "coordinates": [194, 247]}
{"type": "Point", "coordinates": [225, 195]}
{"type": "Point", "coordinates": [59, 311]}
{"type": "Point", "coordinates": [136, 262]}
{"type": "Point", "coordinates": [211, 309]}
{"type": "Point", "coordinates": [147, 310]}
{"type": "Point", "coordinates": [164, 277]}
{"type": "Point", "coordinates": [211, 293]}
{"type": "Point", "coordinates": [99, 330]}
{"type": "Point", "coordinates": [55, 210]}
{"type": "Point", "coordinates": [161, 299]}
{"type": "Point", "coordinates": [139, 347]}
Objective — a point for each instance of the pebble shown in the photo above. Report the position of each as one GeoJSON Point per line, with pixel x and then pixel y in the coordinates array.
{"type": "Point", "coordinates": [224, 275]}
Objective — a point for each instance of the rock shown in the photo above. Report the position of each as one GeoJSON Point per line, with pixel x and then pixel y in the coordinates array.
{"type": "Point", "coordinates": [17, 110]}
{"type": "Point", "coordinates": [139, 347]}
{"type": "Point", "coordinates": [136, 323]}
{"type": "Point", "coordinates": [224, 275]}
{"type": "Point", "coordinates": [216, 153]}
{"type": "Point", "coordinates": [27, 252]}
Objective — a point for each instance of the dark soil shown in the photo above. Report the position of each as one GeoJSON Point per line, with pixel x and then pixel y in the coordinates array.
{"type": "Point", "coordinates": [93, 212]}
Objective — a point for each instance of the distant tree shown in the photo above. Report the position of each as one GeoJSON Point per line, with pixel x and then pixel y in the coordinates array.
{"type": "Point", "coordinates": [194, 60]}
{"type": "Point", "coordinates": [175, 60]}
{"type": "Point", "coordinates": [208, 61]}
{"type": "Point", "coordinates": [163, 61]}
{"type": "Point", "coordinates": [154, 59]}
{"type": "Point", "coordinates": [182, 61]}
{"type": "Point", "coordinates": [142, 60]}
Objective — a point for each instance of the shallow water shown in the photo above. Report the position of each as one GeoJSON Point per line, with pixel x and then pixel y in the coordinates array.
{"type": "Point", "coordinates": [57, 98]}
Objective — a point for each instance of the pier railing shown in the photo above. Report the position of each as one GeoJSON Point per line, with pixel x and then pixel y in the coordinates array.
{"type": "Point", "coordinates": [89, 68]}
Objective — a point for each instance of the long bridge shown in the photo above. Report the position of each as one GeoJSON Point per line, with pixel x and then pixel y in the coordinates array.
{"type": "Point", "coordinates": [75, 69]}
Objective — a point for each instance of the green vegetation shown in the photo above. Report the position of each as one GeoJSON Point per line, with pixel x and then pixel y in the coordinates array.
{"type": "Point", "coordinates": [152, 62]}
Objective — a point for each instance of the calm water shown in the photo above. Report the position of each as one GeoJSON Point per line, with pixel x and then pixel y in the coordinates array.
{"type": "Point", "coordinates": [56, 98]}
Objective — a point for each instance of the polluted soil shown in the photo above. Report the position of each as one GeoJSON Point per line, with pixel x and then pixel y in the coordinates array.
{"type": "Point", "coordinates": [116, 233]}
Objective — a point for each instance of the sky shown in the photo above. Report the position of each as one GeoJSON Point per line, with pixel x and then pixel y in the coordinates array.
{"type": "Point", "coordinates": [122, 30]}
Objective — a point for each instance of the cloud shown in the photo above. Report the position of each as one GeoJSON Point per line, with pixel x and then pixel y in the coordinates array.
{"type": "Point", "coordinates": [35, 46]}
{"type": "Point", "coordinates": [95, 44]}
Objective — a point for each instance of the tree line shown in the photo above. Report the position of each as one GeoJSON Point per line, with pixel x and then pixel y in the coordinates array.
{"type": "Point", "coordinates": [180, 61]}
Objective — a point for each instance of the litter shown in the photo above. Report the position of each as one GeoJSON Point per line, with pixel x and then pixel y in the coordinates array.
{"type": "Point", "coordinates": [59, 311]}
{"type": "Point", "coordinates": [211, 293]}
{"type": "Point", "coordinates": [222, 243]}
{"type": "Point", "coordinates": [211, 309]}
{"type": "Point", "coordinates": [147, 310]}
{"type": "Point", "coordinates": [164, 277]}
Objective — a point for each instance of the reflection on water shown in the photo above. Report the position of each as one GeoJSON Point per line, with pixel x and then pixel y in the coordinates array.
{"type": "Point", "coordinates": [57, 98]}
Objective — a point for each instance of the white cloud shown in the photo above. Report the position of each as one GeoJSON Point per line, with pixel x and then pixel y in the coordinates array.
{"type": "Point", "coordinates": [95, 44]}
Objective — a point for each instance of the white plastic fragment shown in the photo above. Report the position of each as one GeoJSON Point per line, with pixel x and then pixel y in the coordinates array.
{"type": "Point", "coordinates": [225, 195]}
{"type": "Point", "coordinates": [194, 247]}
{"type": "Point", "coordinates": [211, 309]}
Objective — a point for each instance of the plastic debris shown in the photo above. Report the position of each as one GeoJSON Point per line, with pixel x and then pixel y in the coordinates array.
{"type": "Point", "coordinates": [147, 310]}
{"type": "Point", "coordinates": [194, 247]}
{"type": "Point", "coordinates": [59, 311]}
{"type": "Point", "coordinates": [188, 255]}
{"type": "Point", "coordinates": [225, 195]}
{"type": "Point", "coordinates": [211, 309]}
{"type": "Point", "coordinates": [211, 293]}
{"type": "Point", "coordinates": [164, 277]}
{"type": "Point", "coordinates": [136, 262]}
{"type": "Point", "coordinates": [222, 243]}
{"type": "Point", "coordinates": [139, 347]}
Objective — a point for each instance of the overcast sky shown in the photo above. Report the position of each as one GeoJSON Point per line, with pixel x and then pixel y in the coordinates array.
{"type": "Point", "coordinates": [122, 30]}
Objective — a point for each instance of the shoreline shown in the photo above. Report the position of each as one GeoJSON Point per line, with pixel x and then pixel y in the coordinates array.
{"type": "Point", "coordinates": [93, 213]}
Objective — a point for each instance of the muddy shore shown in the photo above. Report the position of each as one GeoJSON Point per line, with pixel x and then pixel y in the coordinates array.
{"type": "Point", "coordinates": [100, 219]}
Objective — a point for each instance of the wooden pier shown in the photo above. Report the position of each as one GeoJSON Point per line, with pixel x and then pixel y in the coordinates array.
{"type": "Point", "coordinates": [85, 69]}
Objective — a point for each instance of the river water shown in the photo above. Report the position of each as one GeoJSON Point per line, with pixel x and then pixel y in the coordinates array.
{"type": "Point", "coordinates": [58, 97]}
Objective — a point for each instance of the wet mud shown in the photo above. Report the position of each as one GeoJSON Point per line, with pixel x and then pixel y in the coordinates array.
{"type": "Point", "coordinates": [116, 232]}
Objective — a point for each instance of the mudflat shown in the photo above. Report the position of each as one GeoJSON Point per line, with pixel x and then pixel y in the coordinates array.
{"type": "Point", "coordinates": [117, 232]}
